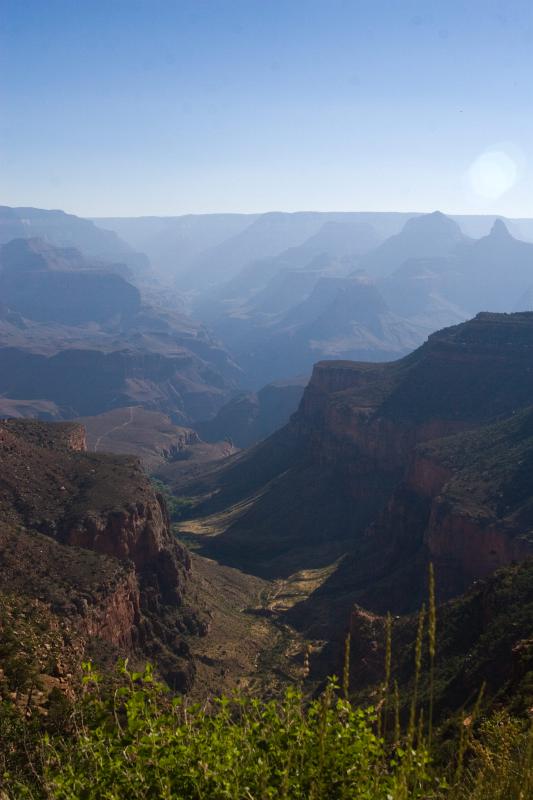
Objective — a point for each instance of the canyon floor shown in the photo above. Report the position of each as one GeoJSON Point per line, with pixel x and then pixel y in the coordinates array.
{"type": "Point", "coordinates": [249, 645]}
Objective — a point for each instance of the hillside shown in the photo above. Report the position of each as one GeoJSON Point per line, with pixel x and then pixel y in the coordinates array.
{"type": "Point", "coordinates": [67, 230]}
{"type": "Point", "coordinates": [338, 490]}
{"type": "Point", "coordinates": [492, 273]}
{"type": "Point", "coordinates": [252, 416]}
{"type": "Point", "coordinates": [151, 436]}
{"type": "Point", "coordinates": [85, 539]}
{"type": "Point", "coordinates": [57, 285]}
{"type": "Point", "coordinates": [78, 338]}
{"type": "Point", "coordinates": [484, 637]}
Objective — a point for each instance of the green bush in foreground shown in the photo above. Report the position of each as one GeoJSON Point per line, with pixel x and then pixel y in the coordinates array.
{"type": "Point", "coordinates": [132, 740]}
{"type": "Point", "coordinates": [136, 742]}
{"type": "Point", "coordinates": [142, 744]}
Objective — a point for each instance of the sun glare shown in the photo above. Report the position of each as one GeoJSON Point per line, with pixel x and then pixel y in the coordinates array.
{"type": "Point", "coordinates": [492, 174]}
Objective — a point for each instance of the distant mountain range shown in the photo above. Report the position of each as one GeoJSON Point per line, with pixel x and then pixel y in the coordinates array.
{"type": "Point", "coordinates": [221, 303]}
{"type": "Point", "coordinates": [360, 301]}
{"type": "Point", "coordinates": [67, 230]}
{"type": "Point", "coordinates": [76, 339]}
{"type": "Point", "coordinates": [204, 249]}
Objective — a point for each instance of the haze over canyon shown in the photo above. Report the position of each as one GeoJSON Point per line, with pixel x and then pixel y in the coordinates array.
{"type": "Point", "coordinates": [325, 404]}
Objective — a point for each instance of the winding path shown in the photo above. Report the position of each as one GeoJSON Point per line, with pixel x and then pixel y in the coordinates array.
{"type": "Point", "coordinates": [115, 428]}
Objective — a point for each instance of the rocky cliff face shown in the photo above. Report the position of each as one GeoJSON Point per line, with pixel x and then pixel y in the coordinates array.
{"type": "Point", "coordinates": [57, 285]}
{"type": "Point", "coordinates": [478, 499]}
{"type": "Point", "coordinates": [484, 638]}
{"type": "Point", "coordinates": [66, 230]}
{"type": "Point", "coordinates": [86, 535]}
{"type": "Point", "coordinates": [355, 474]}
{"type": "Point", "coordinates": [252, 416]}
{"type": "Point", "coordinates": [77, 339]}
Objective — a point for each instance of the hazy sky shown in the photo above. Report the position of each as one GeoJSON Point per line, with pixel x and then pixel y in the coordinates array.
{"type": "Point", "coordinates": [126, 107]}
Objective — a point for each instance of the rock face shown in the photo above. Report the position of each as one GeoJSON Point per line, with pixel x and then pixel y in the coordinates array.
{"type": "Point", "coordinates": [484, 638]}
{"type": "Point", "coordinates": [54, 285]}
{"type": "Point", "coordinates": [479, 515]}
{"type": "Point", "coordinates": [428, 235]}
{"type": "Point", "coordinates": [252, 416]}
{"type": "Point", "coordinates": [75, 340]}
{"type": "Point", "coordinates": [376, 421]}
{"type": "Point", "coordinates": [86, 535]}
{"type": "Point", "coordinates": [66, 230]}
{"type": "Point", "coordinates": [338, 296]}
{"type": "Point", "coordinates": [354, 475]}
{"type": "Point", "coordinates": [493, 273]}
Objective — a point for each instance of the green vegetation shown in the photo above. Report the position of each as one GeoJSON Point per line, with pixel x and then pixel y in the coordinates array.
{"type": "Point", "coordinates": [138, 742]}
{"type": "Point", "coordinates": [139, 745]}
{"type": "Point", "coordinates": [127, 736]}
{"type": "Point", "coordinates": [177, 506]}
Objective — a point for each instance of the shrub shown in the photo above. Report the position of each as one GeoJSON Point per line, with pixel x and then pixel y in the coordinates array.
{"type": "Point", "coordinates": [142, 744]}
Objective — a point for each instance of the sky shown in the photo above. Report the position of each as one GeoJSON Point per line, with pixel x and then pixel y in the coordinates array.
{"type": "Point", "coordinates": [133, 107]}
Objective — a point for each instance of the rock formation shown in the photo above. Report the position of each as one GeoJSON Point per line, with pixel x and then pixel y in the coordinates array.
{"type": "Point", "coordinates": [252, 416]}
{"type": "Point", "coordinates": [385, 467]}
{"type": "Point", "coordinates": [75, 336]}
{"type": "Point", "coordinates": [85, 535]}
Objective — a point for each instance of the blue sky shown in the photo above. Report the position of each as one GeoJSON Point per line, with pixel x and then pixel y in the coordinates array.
{"type": "Point", "coordinates": [127, 107]}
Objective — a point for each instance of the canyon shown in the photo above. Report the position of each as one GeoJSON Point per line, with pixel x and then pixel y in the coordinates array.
{"type": "Point", "coordinates": [383, 469]}
{"type": "Point", "coordinates": [86, 537]}
{"type": "Point", "coordinates": [281, 511]}
{"type": "Point", "coordinates": [77, 338]}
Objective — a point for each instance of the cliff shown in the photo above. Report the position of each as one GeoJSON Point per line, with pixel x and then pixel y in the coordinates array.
{"type": "Point", "coordinates": [85, 535]}
{"type": "Point", "coordinates": [77, 339]}
{"type": "Point", "coordinates": [252, 416]}
{"type": "Point", "coordinates": [484, 638]}
{"type": "Point", "coordinates": [361, 481]}
{"type": "Point", "coordinates": [57, 285]}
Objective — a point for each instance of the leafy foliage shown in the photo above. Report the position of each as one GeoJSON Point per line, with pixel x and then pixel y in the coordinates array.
{"type": "Point", "coordinates": [138, 741]}
{"type": "Point", "coordinates": [128, 736]}
{"type": "Point", "coordinates": [142, 744]}
{"type": "Point", "coordinates": [177, 506]}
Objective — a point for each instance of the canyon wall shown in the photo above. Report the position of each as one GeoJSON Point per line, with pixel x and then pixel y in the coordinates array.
{"type": "Point", "coordinates": [87, 535]}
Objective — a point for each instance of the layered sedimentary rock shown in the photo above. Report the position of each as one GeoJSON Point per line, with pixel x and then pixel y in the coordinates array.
{"type": "Point", "coordinates": [86, 535]}
{"type": "Point", "coordinates": [349, 475]}
{"type": "Point", "coordinates": [252, 416]}
{"type": "Point", "coordinates": [484, 638]}
{"type": "Point", "coordinates": [76, 339]}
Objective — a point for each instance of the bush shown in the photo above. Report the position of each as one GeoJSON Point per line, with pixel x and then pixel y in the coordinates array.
{"type": "Point", "coordinates": [143, 744]}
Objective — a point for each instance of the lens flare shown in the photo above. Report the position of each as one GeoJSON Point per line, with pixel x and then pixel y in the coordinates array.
{"type": "Point", "coordinates": [492, 174]}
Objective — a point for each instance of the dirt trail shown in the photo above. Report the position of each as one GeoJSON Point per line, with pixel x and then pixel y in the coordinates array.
{"type": "Point", "coordinates": [131, 409]}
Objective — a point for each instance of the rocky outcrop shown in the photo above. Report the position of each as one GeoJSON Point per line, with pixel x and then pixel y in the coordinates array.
{"type": "Point", "coordinates": [465, 549]}
{"type": "Point", "coordinates": [87, 535]}
{"type": "Point", "coordinates": [484, 638]}
{"type": "Point", "coordinates": [117, 617]}
{"type": "Point", "coordinates": [68, 231]}
{"type": "Point", "coordinates": [138, 533]}
{"type": "Point", "coordinates": [83, 381]}
{"type": "Point", "coordinates": [76, 339]}
{"type": "Point", "coordinates": [355, 473]}
{"type": "Point", "coordinates": [252, 416]}
{"type": "Point", "coordinates": [472, 500]}
{"type": "Point", "coordinates": [62, 436]}
{"type": "Point", "coordinates": [57, 285]}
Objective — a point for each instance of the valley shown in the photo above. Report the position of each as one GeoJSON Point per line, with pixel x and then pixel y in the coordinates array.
{"type": "Point", "coordinates": [225, 467]}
